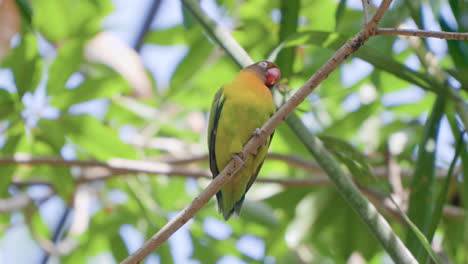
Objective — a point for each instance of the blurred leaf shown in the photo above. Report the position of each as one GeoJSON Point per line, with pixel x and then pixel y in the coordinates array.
{"type": "Point", "coordinates": [207, 80]}
{"type": "Point", "coordinates": [25, 10]}
{"type": "Point", "coordinates": [421, 199]}
{"type": "Point", "coordinates": [8, 171]}
{"type": "Point", "coordinates": [420, 236]}
{"type": "Point", "coordinates": [439, 206]}
{"type": "Point", "coordinates": [51, 133]}
{"type": "Point", "coordinates": [38, 225]}
{"type": "Point", "coordinates": [190, 65]}
{"type": "Point", "coordinates": [260, 213]}
{"type": "Point", "coordinates": [334, 219]}
{"type": "Point", "coordinates": [414, 110]}
{"type": "Point", "coordinates": [100, 141]}
{"type": "Point", "coordinates": [92, 88]}
{"type": "Point", "coordinates": [60, 20]}
{"type": "Point", "coordinates": [350, 156]}
{"type": "Point", "coordinates": [458, 51]}
{"type": "Point", "coordinates": [177, 35]}
{"type": "Point", "coordinates": [348, 125]}
{"type": "Point", "coordinates": [26, 64]}
{"type": "Point", "coordinates": [68, 60]}
{"type": "Point", "coordinates": [188, 20]}
{"type": "Point", "coordinates": [119, 250]}
{"type": "Point", "coordinates": [340, 11]}
{"type": "Point", "coordinates": [289, 20]}
{"type": "Point", "coordinates": [464, 240]}
{"type": "Point", "coordinates": [7, 104]}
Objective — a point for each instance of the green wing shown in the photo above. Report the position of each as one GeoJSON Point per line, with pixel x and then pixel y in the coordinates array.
{"type": "Point", "coordinates": [215, 114]}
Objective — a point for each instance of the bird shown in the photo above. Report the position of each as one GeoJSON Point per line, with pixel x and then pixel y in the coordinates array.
{"type": "Point", "coordinates": [238, 110]}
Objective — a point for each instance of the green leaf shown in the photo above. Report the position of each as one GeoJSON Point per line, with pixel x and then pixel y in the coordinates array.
{"type": "Point", "coordinates": [289, 19]}
{"type": "Point", "coordinates": [7, 104]}
{"type": "Point", "coordinates": [26, 64]}
{"type": "Point", "coordinates": [349, 155]}
{"type": "Point", "coordinates": [68, 60]}
{"type": "Point", "coordinates": [100, 141]}
{"type": "Point", "coordinates": [177, 35]}
{"type": "Point", "coordinates": [420, 236]}
{"type": "Point", "coordinates": [8, 171]}
{"type": "Point", "coordinates": [334, 218]}
{"type": "Point", "coordinates": [190, 65]}
{"type": "Point", "coordinates": [464, 157]}
{"type": "Point", "coordinates": [39, 226]}
{"type": "Point", "coordinates": [348, 126]}
{"type": "Point", "coordinates": [92, 88]}
{"type": "Point", "coordinates": [118, 247]}
{"type": "Point", "coordinates": [25, 10]}
{"type": "Point", "coordinates": [438, 209]}
{"type": "Point", "coordinates": [458, 51]}
{"type": "Point", "coordinates": [260, 213]}
{"type": "Point", "coordinates": [340, 11]}
{"type": "Point", "coordinates": [421, 199]}
{"type": "Point", "coordinates": [60, 20]}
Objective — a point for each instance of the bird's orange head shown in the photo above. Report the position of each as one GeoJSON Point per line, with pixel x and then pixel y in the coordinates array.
{"type": "Point", "coordinates": [267, 71]}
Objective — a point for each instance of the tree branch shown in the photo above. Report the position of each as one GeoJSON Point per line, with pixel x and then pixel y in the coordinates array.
{"type": "Point", "coordinates": [422, 33]}
{"type": "Point", "coordinates": [147, 24]}
{"type": "Point", "coordinates": [366, 10]}
{"type": "Point", "coordinates": [104, 170]}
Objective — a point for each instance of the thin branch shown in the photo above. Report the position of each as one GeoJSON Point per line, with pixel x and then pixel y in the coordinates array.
{"type": "Point", "coordinates": [20, 201]}
{"type": "Point", "coordinates": [238, 54]}
{"type": "Point", "coordinates": [56, 235]}
{"type": "Point", "coordinates": [103, 171]}
{"type": "Point", "coordinates": [97, 170]}
{"type": "Point", "coordinates": [147, 24]}
{"type": "Point", "coordinates": [366, 10]}
{"type": "Point", "coordinates": [294, 161]}
{"type": "Point", "coordinates": [422, 33]}
{"type": "Point", "coordinates": [16, 202]}
{"type": "Point", "coordinates": [56, 249]}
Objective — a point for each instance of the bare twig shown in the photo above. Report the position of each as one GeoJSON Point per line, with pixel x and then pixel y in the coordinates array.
{"type": "Point", "coordinates": [366, 10]}
{"type": "Point", "coordinates": [62, 248]}
{"type": "Point", "coordinates": [394, 178]}
{"type": "Point", "coordinates": [97, 170]}
{"type": "Point", "coordinates": [147, 24]}
{"type": "Point", "coordinates": [20, 201]}
{"type": "Point", "coordinates": [422, 33]}
{"type": "Point", "coordinates": [16, 202]}
{"type": "Point", "coordinates": [103, 171]}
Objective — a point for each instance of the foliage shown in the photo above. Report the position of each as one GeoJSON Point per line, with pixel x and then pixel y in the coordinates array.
{"type": "Point", "coordinates": [378, 104]}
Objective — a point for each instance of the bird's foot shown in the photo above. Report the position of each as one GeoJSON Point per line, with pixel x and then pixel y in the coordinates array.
{"type": "Point", "coordinates": [240, 157]}
{"type": "Point", "coordinates": [257, 132]}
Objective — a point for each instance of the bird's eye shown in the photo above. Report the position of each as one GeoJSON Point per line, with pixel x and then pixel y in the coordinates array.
{"type": "Point", "coordinates": [263, 64]}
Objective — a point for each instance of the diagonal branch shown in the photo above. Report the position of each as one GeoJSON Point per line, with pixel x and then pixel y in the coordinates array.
{"type": "Point", "coordinates": [422, 33]}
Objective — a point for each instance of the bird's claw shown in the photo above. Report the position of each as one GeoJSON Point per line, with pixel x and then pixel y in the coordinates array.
{"type": "Point", "coordinates": [257, 132]}
{"type": "Point", "coordinates": [239, 157]}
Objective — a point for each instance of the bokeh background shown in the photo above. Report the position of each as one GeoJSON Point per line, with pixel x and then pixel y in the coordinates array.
{"type": "Point", "coordinates": [99, 80]}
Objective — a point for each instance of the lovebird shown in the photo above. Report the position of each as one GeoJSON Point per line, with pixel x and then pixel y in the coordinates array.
{"type": "Point", "coordinates": [239, 108]}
